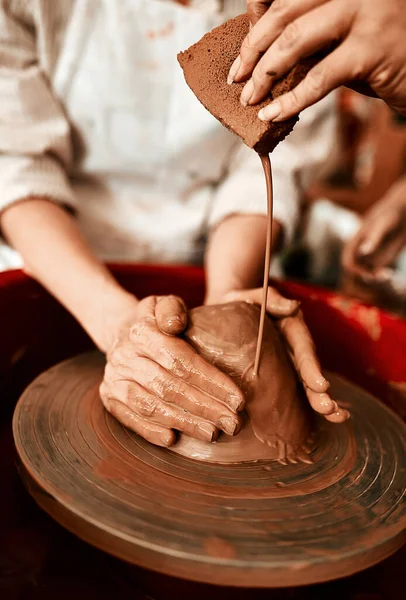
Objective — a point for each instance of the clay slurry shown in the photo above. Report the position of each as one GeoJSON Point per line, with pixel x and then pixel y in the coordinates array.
{"type": "Point", "coordinates": [266, 163]}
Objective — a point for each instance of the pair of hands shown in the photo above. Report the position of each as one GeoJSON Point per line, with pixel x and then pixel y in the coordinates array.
{"type": "Point", "coordinates": [156, 384]}
{"type": "Point", "coordinates": [370, 254]}
{"type": "Point", "coordinates": [365, 40]}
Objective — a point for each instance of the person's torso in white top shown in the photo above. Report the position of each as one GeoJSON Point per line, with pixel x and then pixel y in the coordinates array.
{"type": "Point", "coordinates": [152, 153]}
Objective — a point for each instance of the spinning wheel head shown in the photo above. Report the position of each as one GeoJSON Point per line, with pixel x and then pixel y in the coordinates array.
{"type": "Point", "coordinates": [259, 524]}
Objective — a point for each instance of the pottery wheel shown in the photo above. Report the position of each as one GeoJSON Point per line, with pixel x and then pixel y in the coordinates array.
{"type": "Point", "coordinates": [258, 525]}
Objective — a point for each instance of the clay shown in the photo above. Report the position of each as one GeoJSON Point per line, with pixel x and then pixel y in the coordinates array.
{"type": "Point", "coordinates": [266, 165]}
{"type": "Point", "coordinates": [256, 524]}
{"type": "Point", "coordinates": [206, 65]}
{"type": "Point", "coordinates": [278, 423]}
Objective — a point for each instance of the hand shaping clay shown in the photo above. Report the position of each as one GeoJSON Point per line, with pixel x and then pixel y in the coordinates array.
{"type": "Point", "coordinates": [206, 65]}
{"type": "Point", "coordinates": [278, 420]}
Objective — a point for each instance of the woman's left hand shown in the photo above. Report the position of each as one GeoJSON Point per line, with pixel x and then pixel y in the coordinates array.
{"type": "Point", "coordinates": [289, 320]}
{"type": "Point", "coordinates": [370, 254]}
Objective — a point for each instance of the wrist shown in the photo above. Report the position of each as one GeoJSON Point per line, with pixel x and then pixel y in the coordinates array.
{"type": "Point", "coordinates": [118, 308]}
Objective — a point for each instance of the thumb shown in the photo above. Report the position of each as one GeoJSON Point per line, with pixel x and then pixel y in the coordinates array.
{"type": "Point", "coordinates": [171, 314]}
{"type": "Point", "coordinates": [276, 305]}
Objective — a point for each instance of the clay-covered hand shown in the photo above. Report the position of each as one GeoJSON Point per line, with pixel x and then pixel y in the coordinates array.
{"type": "Point", "coordinates": [156, 384]}
{"type": "Point", "coordinates": [372, 251]}
{"type": "Point", "coordinates": [364, 41]}
{"type": "Point", "coordinates": [290, 322]}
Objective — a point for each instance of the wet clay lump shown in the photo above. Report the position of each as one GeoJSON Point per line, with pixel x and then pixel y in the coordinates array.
{"type": "Point", "coordinates": [278, 421]}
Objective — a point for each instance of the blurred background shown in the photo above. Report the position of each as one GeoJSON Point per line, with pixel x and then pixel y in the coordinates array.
{"type": "Point", "coordinates": [368, 161]}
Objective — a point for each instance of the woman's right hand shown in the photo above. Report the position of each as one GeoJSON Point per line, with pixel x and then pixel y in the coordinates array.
{"type": "Point", "coordinates": [365, 42]}
{"type": "Point", "coordinates": [156, 384]}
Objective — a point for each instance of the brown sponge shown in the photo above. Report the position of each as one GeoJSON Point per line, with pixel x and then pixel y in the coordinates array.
{"type": "Point", "coordinates": [206, 65]}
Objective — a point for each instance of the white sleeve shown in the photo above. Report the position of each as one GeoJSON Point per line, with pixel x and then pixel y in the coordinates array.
{"type": "Point", "coordinates": [35, 141]}
{"type": "Point", "coordinates": [294, 163]}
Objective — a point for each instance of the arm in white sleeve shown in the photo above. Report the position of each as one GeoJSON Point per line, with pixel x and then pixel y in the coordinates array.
{"type": "Point", "coordinates": [35, 142]}
{"type": "Point", "coordinates": [294, 163]}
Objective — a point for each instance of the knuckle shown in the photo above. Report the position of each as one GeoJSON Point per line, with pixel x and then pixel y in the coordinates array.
{"type": "Point", "coordinates": [170, 362]}
{"type": "Point", "coordinates": [291, 102]}
{"type": "Point", "coordinates": [289, 37]}
{"type": "Point", "coordinates": [184, 368]}
{"type": "Point", "coordinates": [147, 405]}
{"type": "Point", "coordinates": [144, 333]}
{"type": "Point", "coordinates": [172, 298]}
{"type": "Point", "coordinates": [359, 69]}
{"type": "Point", "coordinates": [262, 74]}
{"type": "Point", "coordinates": [316, 79]}
{"type": "Point", "coordinates": [110, 371]}
{"type": "Point", "coordinates": [124, 391]}
{"type": "Point", "coordinates": [179, 386]}
{"type": "Point", "coordinates": [381, 77]}
{"type": "Point", "coordinates": [118, 359]}
{"type": "Point", "coordinates": [281, 5]}
{"type": "Point", "coordinates": [159, 386]}
{"type": "Point", "coordinates": [107, 401]}
{"type": "Point", "coordinates": [277, 6]}
{"type": "Point", "coordinates": [249, 46]}
{"type": "Point", "coordinates": [114, 408]}
{"type": "Point", "coordinates": [137, 330]}
{"type": "Point", "coordinates": [103, 391]}
{"type": "Point", "coordinates": [114, 363]}
{"type": "Point", "coordinates": [280, 10]}
{"type": "Point", "coordinates": [363, 56]}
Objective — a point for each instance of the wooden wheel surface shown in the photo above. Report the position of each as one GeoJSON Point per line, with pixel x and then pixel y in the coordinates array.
{"type": "Point", "coordinates": [256, 525]}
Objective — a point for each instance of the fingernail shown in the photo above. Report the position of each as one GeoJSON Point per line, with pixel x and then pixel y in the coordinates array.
{"type": "Point", "coordinates": [247, 92]}
{"type": "Point", "coordinates": [326, 406]}
{"type": "Point", "coordinates": [167, 438]}
{"type": "Point", "coordinates": [384, 274]}
{"type": "Point", "coordinates": [234, 70]}
{"type": "Point", "coordinates": [207, 430]}
{"type": "Point", "coordinates": [228, 425]}
{"type": "Point", "coordinates": [339, 416]}
{"type": "Point", "coordinates": [365, 248]}
{"type": "Point", "coordinates": [291, 305]}
{"type": "Point", "coordinates": [270, 112]}
{"type": "Point", "coordinates": [235, 402]}
{"type": "Point", "coordinates": [176, 319]}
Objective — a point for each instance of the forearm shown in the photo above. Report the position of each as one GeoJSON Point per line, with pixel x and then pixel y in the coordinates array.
{"type": "Point", "coordinates": [55, 254]}
{"type": "Point", "coordinates": [235, 254]}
